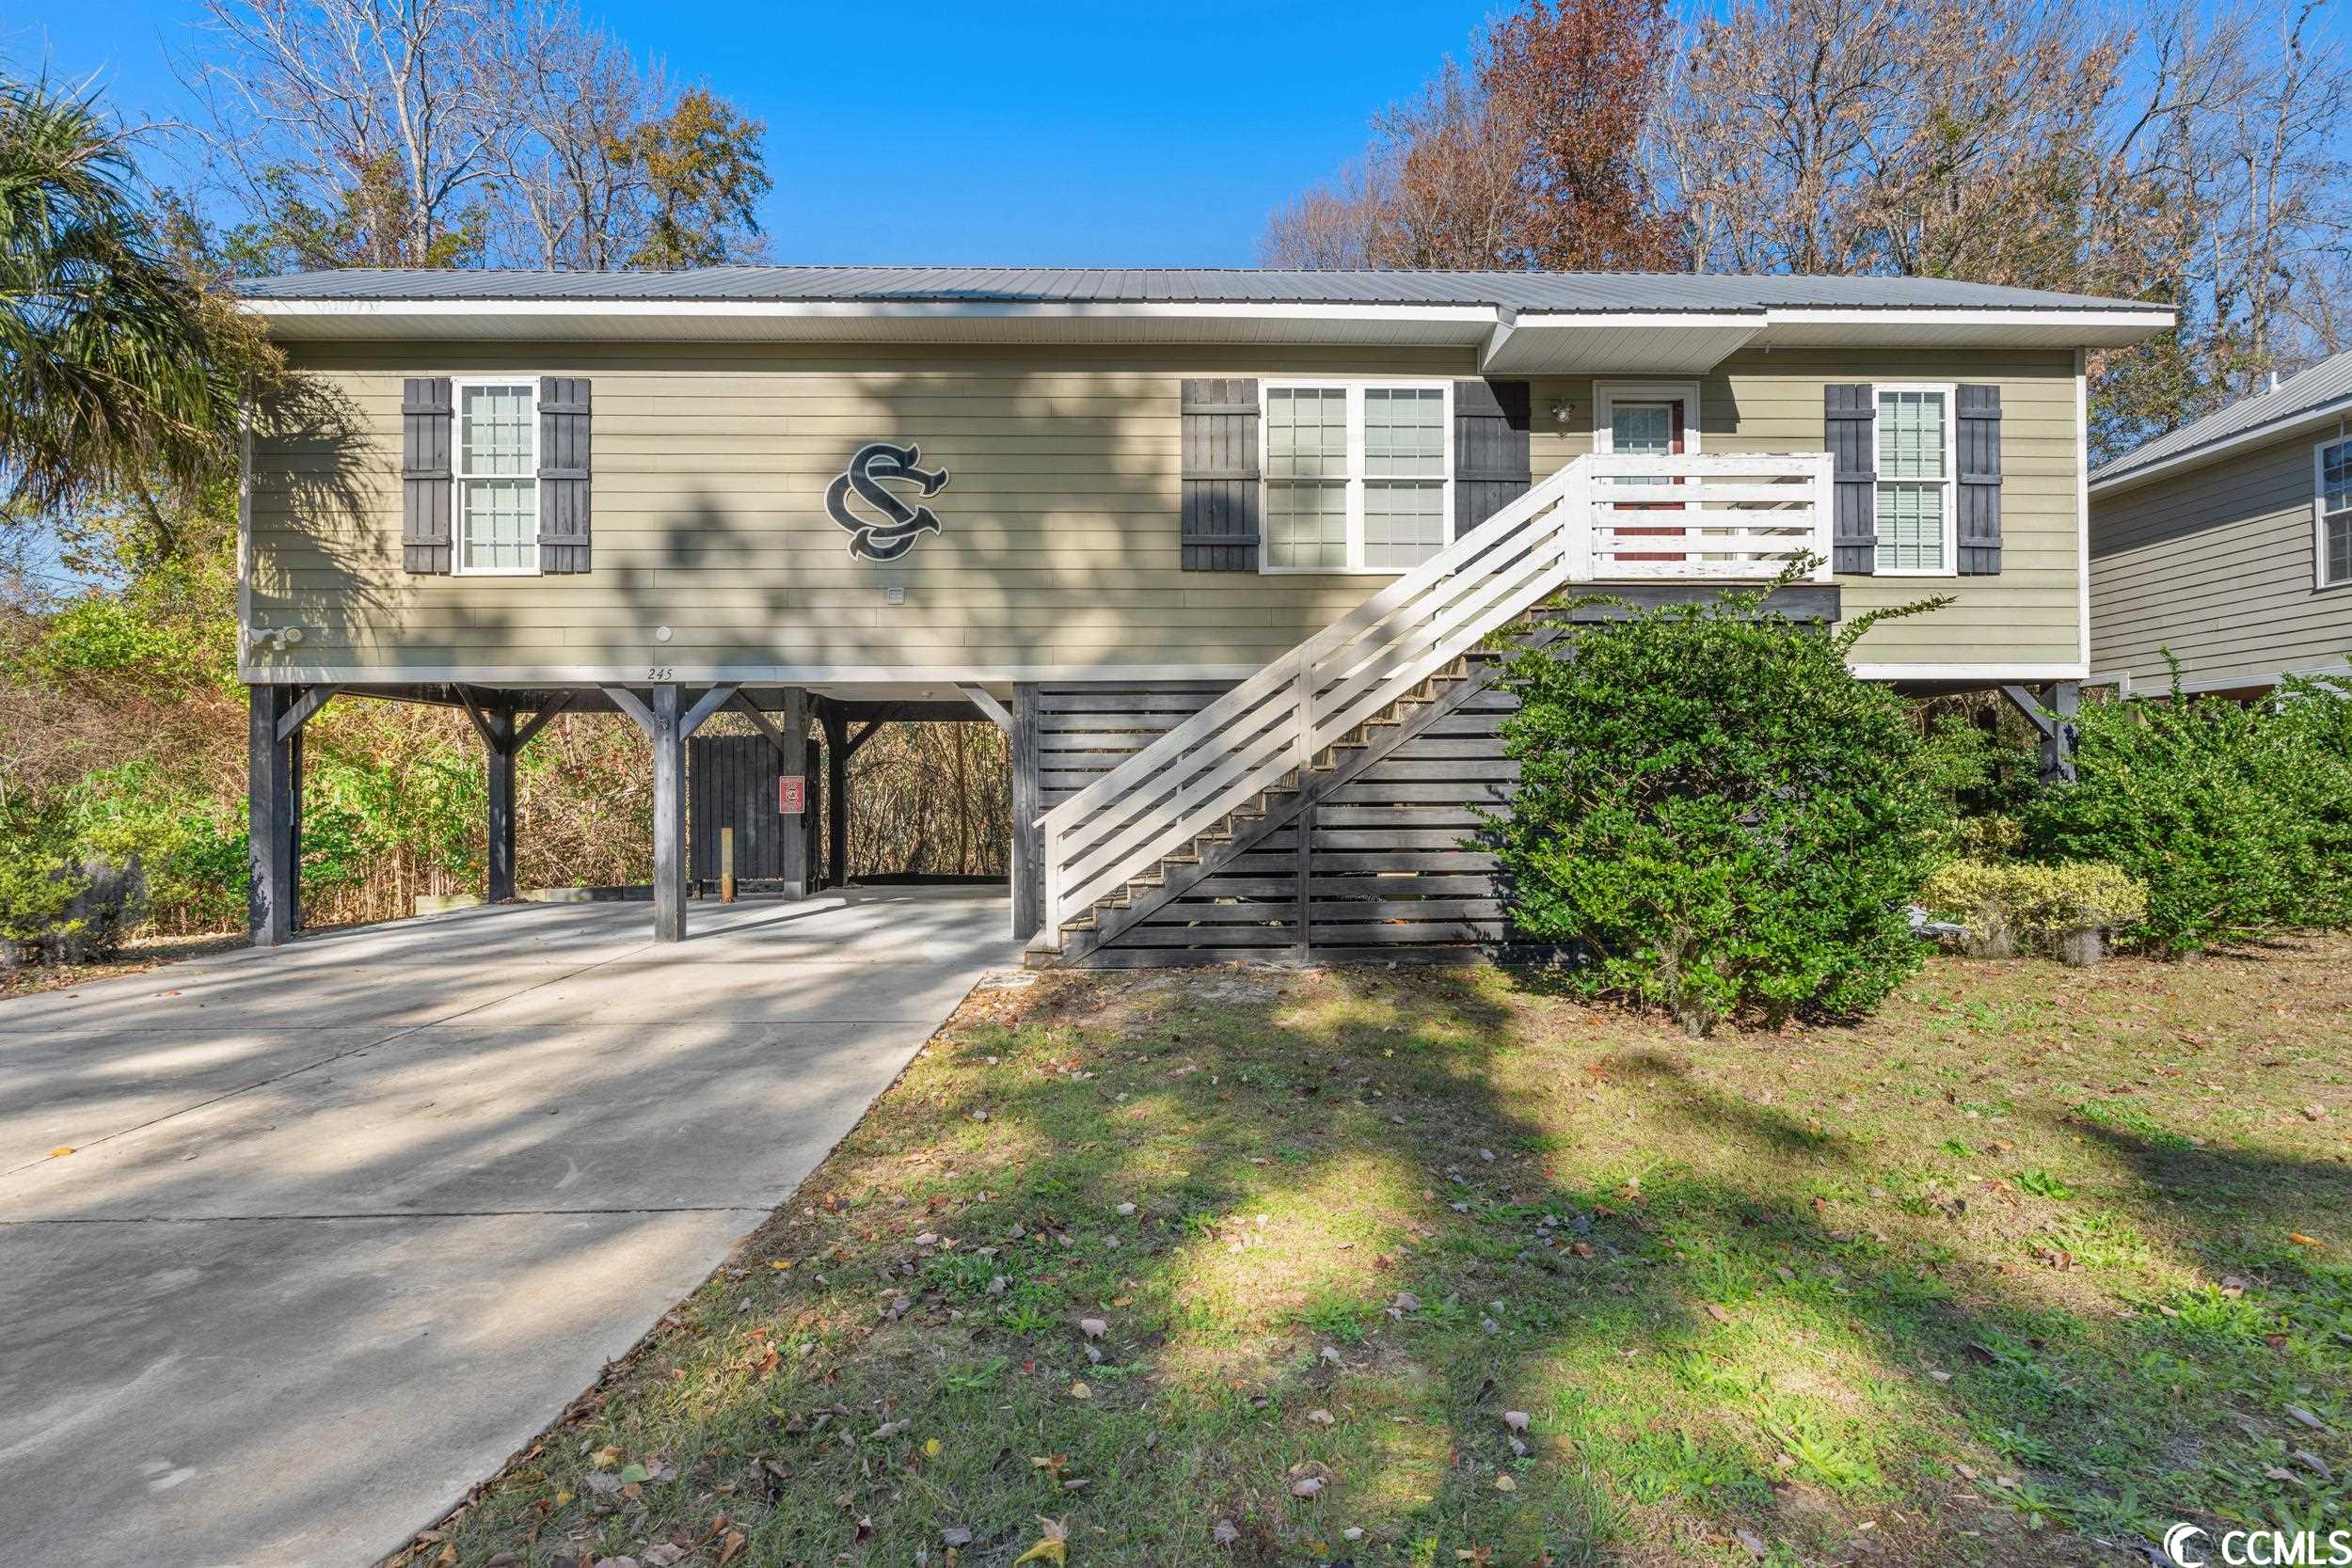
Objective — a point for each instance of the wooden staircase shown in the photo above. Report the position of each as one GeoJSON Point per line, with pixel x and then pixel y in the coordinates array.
{"type": "Point", "coordinates": [1179, 870]}
{"type": "Point", "coordinates": [1227, 771]}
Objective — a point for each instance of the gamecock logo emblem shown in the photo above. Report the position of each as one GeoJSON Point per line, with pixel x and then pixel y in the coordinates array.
{"type": "Point", "coordinates": [876, 465]}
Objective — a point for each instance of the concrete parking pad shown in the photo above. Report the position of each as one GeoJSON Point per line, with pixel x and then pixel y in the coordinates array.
{"type": "Point", "coordinates": [345, 1224]}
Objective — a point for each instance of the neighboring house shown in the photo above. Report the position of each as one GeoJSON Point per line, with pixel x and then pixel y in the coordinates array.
{"type": "Point", "coordinates": [1213, 546]}
{"type": "Point", "coordinates": [2228, 544]}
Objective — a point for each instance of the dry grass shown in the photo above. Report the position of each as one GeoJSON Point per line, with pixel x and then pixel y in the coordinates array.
{"type": "Point", "coordinates": [2031, 1264]}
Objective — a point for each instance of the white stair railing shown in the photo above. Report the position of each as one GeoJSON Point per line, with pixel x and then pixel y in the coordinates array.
{"type": "Point", "coordinates": [1598, 519]}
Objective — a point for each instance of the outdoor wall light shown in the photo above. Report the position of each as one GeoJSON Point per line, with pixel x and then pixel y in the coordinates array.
{"type": "Point", "coordinates": [1561, 409]}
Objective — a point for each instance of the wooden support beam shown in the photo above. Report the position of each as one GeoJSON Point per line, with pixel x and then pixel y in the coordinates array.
{"type": "Point", "coordinates": [2052, 711]}
{"type": "Point", "coordinates": [836, 794]}
{"type": "Point", "coordinates": [273, 828]}
{"type": "Point", "coordinates": [494, 727]}
{"type": "Point", "coordinates": [501, 758]}
{"type": "Point", "coordinates": [988, 705]}
{"type": "Point", "coordinates": [741, 704]}
{"type": "Point", "coordinates": [629, 703]}
{"type": "Point", "coordinates": [813, 822]}
{"type": "Point", "coordinates": [305, 708]}
{"type": "Point", "coordinates": [525, 733]}
{"type": "Point", "coordinates": [1028, 808]}
{"type": "Point", "coordinates": [669, 815]}
{"type": "Point", "coordinates": [711, 703]}
{"type": "Point", "coordinates": [857, 741]}
{"type": "Point", "coordinates": [792, 762]}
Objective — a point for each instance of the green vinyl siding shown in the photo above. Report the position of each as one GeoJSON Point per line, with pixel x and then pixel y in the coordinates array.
{"type": "Point", "coordinates": [1059, 547]}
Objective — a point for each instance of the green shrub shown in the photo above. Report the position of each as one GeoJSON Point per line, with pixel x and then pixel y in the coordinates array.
{"type": "Point", "coordinates": [2236, 816]}
{"type": "Point", "coordinates": [39, 878]}
{"type": "Point", "coordinates": [1718, 814]}
{"type": "Point", "coordinates": [2034, 901]}
{"type": "Point", "coordinates": [190, 845]}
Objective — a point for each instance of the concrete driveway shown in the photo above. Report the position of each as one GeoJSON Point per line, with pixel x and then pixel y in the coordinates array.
{"type": "Point", "coordinates": [345, 1225]}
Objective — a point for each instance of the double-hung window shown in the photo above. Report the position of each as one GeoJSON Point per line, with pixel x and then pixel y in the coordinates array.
{"type": "Point", "coordinates": [1358, 476]}
{"type": "Point", "coordinates": [498, 477]}
{"type": "Point", "coordinates": [1917, 517]}
{"type": "Point", "coordinates": [2331, 511]}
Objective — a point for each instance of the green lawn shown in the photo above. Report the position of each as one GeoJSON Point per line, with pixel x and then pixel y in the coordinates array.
{"type": "Point", "coordinates": [1428, 1267]}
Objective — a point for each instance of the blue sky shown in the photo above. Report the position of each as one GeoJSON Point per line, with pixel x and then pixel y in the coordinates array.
{"type": "Point", "coordinates": [1036, 134]}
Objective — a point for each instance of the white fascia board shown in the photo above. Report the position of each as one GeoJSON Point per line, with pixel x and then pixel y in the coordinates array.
{"type": "Point", "coordinates": [2138, 321]}
{"type": "Point", "coordinates": [1969, 672]}
{"type": "Point", "coordinates": [2299, 424]}
{"type": "Point", "coordinates": [1474, 321]}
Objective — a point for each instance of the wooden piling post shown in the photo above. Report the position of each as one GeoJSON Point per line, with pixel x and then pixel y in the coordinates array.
{"type": "Point", "coordinates": [726, 864]}
{"type": "Point", "coordinates": [669, 817]}
{"type": "Point", "coordinates": [273, 833]}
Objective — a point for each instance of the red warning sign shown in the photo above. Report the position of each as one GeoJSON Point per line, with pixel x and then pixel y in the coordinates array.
{"type": "Point", "coordinates": [792, 794]}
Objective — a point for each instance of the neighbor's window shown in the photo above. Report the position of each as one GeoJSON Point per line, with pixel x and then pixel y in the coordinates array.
{"type": "Point", "coordinates": [2334, 538]}
{"type": "Point", "coordinates": [1915, 513]}
{"type": "Point", "coordinates": [498, 483]}
{"type": "Point", "coordinates": [1356, 477]}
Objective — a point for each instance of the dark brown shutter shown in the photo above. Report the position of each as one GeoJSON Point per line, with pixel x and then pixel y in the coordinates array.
{"type": "Point", "coordinates": [1979, 445]}
{"type": "Point", "coordinates": [1493, 455]}
{"type": "Point", "coordinates": [564, 468]}
{"type": "Point", "coordinates": [1222, 495]}
{"type": "Point", "coordinates": [427, 491]}
{"type": "Point", "coordinates": [1852, 438]}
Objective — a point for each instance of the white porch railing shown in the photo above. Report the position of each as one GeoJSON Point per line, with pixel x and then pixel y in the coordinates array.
{"type": "Point", "coordinates": [1599, 520]}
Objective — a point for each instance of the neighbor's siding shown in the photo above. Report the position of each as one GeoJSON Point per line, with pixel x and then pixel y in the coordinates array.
{"type": "Point", "coordinates": [2214, 564]}
{"type": "Point", "coordinates": [1060, 551]}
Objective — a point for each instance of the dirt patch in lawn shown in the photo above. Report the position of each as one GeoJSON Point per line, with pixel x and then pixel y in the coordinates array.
{"type": "Point", "coordinates": [1436, 1267]}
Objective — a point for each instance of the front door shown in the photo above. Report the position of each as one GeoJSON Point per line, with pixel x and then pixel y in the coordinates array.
{"type": "Point", "coordinates": [1648, 427]}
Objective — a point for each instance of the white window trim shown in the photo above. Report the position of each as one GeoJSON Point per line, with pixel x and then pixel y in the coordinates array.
{"type": "Point", "coordinates": [1949, 391]}
{"type": "Point", "coordinates": [458, 476]}
{"type": "Point", "coordinates": [1355, 387]}
{"type": "Point", "coordinates": [2320, 513]}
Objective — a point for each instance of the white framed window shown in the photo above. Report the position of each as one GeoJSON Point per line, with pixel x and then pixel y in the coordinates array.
{"type": "Point", "coordinates": [1918, 518]}
{"type": "Point", "coordinates": [2331, 513]}
{"type": "Point", "coordinates": [497, 474]}
{"type": "Point", "coordinates": [1358, 474]}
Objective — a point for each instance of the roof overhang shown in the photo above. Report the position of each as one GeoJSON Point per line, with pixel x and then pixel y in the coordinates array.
{"type": "Point", "coordinates": [2305, 422]}
{"type": "Point", "coordinates": [1507, 342]}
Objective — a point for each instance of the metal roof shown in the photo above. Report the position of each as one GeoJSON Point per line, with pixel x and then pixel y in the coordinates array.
{"type": "Point", "coordinates": [2325, 389]}
{"type": "Point", "coordinates": [1513, 291]}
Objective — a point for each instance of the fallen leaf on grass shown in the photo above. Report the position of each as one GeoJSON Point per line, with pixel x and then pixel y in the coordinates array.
{"type": "Point", "coordinates": [730, 1545]}
{"type": "Point", "coordinates": [1225, 1532]}
{"type": "Point", "coordinates": [1307, 1487]}
{"type": "Point", "coordinates": [2306, 1417]}
{"type": "Point", "coordinates": [1321, 1417]}
{"type": "Point", "coordinates": [1752, 1542]}
{"type": "Point", "coordinates": [1094, 1328]}
{"type": "Point", "coordinates": [1718, 1313]}
{"type": "Point", "coordinates": [1053, 1543]}
{"type": "Point", "coordinates": [1516, 1419]}
{"type": "Point", "coordinates": [2297, 1237]}
{"type": "Point", "coordinates": [956, 1535]}
{"type": "Point", "coordinates": [1504, 1483]}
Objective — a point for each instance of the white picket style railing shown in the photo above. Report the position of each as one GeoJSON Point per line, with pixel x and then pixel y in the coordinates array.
{"type": "Point", "coordinates": [1600, 519]}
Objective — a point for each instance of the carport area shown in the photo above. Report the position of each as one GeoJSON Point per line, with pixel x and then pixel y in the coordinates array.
{"type": "Point", "coordinates": [347, 1221]}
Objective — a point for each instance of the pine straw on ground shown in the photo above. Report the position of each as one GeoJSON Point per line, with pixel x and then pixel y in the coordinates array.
{"type": "Point", "coordinates": [1241, 1267]}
